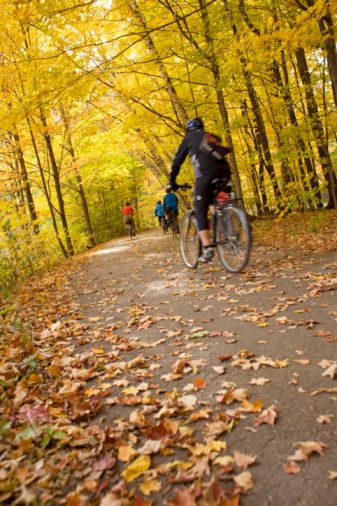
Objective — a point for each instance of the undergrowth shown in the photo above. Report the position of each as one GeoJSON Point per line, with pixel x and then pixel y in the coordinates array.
{"type": "Point", "coordinates": [307, 231]}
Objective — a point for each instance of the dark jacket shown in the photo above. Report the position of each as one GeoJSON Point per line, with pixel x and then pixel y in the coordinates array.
{"type": "Point", "coordinates": [203, 164]}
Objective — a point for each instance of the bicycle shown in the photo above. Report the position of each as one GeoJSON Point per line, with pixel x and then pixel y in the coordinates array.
{"type": "Point", "coordinates": [163, 224]}
{"type": "Point", "coordinates": [230, 227]}
{"type": "Point", "coordinates": [130, 229]}
{"type": "Point", "coordinates": [172, 222]}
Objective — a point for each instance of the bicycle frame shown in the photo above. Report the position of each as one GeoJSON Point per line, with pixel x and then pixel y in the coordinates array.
{"type": "Point", "coordinates": [217, 213]}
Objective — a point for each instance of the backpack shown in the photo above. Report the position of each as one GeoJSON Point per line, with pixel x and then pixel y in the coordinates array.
{"type": "Point", "coordinates": [210, 144]}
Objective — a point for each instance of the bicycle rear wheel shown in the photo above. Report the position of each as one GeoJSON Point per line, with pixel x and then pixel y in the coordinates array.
{"type": "Point", "coordinates": [175, 227]}
{"type": "Point", "coordinates": [233, 238]}
{"type": "Point", "coordinates": [190, 245]}
{"type": "Point", "coordinates": [163, 225]}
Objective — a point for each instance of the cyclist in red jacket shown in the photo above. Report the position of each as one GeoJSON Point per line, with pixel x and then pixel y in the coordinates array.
{"type": "Point", "coordinates": [128, 212]}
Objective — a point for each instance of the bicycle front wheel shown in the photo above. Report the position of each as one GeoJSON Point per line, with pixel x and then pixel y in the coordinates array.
{"type": "Point", "coordinates": [233, 238]}
{"type": "Point", "coordinates": [190, 245]}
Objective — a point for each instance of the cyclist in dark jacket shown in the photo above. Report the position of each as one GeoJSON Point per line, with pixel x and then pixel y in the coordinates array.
{"type": "Point", "coordinates": [206, 167]}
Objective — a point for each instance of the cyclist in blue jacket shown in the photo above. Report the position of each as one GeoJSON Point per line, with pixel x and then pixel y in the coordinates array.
{"type": "Point", "coordinates": [160, 212]}
{"type": "Point", "coordinates": [171, 204]}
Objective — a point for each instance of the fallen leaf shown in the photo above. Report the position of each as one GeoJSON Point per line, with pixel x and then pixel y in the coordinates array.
{"type": "Point", "coordinates": [291, 468]}
{"type": "Point", "coordinates": [149, 486]}
{"type": "Point", "coordinates": [302, 361]}
{"type": "Point", "coordinates": [199, 383]}
{"type": "Point", "coordinates": [259, 381]}
{"type": "Point", "coordinates": [126, 453]}
{"type": "Point", "coordinates": [151, 446]}
{"type": "Point", "coordinates": [219, 369]}
{"type": "Point", "coordinates": [244, 480]}
{"type": "Point", "coordinates": [182, 497]}
{"type": "Point", "coordinates": [189, 401]}
{"type": "Point", "coordinates": [306, 448]}
{"type": "Point", "coordinates": [332, 390]}
{"type": "Point", "coordinates": [111, 500]}
{"type": "Point", "coordinates": [331, 371]}
{"type": "Point", "coordinates": [227, 460]}
{"type": "Point", "coordinates": [243, 460]}
{"type": "Point", "coordinates": [223, 358]}
{"type": "Point", "coordinates": [268, 416]}
{"type": "Point", "coordinates": [137, 468]}
{"type": "Point", "coordinates": [251, 407]}
{"type": "Point", "coordinates": [107, 462]}
{"type": "Point", "coordinates": [324, 418]}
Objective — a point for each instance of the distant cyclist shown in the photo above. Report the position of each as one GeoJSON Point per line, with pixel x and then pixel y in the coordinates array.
{"type": "Point", "coordinates": [171, 204]}
{"type": "Point", "coordinates": [207, 156]}
{"type": "Point", "coordinates": [159, 211]}
{"type": "Point", "coordinates": [128, 212]}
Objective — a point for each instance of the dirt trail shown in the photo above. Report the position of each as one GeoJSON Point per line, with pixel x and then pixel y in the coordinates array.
{"type": "Point", "coordinates": [198, 351]}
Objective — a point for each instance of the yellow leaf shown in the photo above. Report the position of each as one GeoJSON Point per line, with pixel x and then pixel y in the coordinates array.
{"type": "Point", "coordinates": [98, 351]}
{"type": "Point", "coordinates": [263, 324]}
{"type": "Point", "coordinates": [130, 391]}
{"type": "Point", "coordinates": [224, 461]}
{"type": "Point", "coordinates": [186, 431]}
{"type": "Point", "coordinates": [149, 486]}
{"type": "Point", "coordinates": [212, 446]}
{"type": "Point", "coordinates": [217, 446]}
{"type": "Point", "coordinates": [137, 468]}
{"type": "Point", "coordinates": [89, 392]}
{"type": "Point", "coordinates": [281, 363]}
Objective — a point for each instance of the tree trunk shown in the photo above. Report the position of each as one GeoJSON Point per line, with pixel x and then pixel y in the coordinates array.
{"type": "Point", "coordinates": [90, 233]}
{"type": "Point", "coordinates": [45, 189]}
{"type": "Point", "coordinates": [215, 69]}
{"type": "Point", "coordinates": [25, 181]}
{"type": "Point", "coordinates": [176, 103]}
{"type": "Point", "coordinates": [317, 127]}
{"type": "Point", "coordinates": [57, 182]}
{"type": "Point", "coordinates": [326, 26]}
{"type": "Point", "coordinates": [310, 167]}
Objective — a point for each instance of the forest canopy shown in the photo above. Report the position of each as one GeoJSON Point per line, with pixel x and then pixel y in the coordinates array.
{"type": "Point", "coordinates": [95, 95]}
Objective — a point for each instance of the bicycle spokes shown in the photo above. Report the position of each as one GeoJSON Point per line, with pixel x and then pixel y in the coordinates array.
{"type": "Point", "coordinates": [233, 238]}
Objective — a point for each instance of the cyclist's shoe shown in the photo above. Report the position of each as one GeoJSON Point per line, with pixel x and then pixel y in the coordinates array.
{"type": "Point", "coordinates": [207, 255]}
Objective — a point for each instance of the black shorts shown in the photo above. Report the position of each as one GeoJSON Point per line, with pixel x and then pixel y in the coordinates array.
{"type": "Point", "coordinates": [204, 196]}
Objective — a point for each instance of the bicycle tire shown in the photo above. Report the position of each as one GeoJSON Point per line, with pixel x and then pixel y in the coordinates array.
{"type": "Point", "coordinates": [190, 245]}
{"type": "Point", "coordinates": [233, 238]}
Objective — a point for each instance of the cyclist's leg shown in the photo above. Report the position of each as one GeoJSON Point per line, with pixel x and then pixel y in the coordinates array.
{"type": "Point", "coordinates": [203, 198]}
{"type": "Point", "coordinates": [126, 224]}
{"type": "Point", "coordinates": [168, 217]}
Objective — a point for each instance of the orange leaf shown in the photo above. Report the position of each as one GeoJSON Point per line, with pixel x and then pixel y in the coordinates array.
{"type": "Point", "coordinates": [252, 407]}
{"type": "Point", "coordinates": [199, 383]}
{"type": "Point", "coordinates": [291, 468]}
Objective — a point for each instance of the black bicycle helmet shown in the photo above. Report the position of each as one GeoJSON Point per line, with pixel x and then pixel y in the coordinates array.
{"type": "Point", "coordinates": [194, 124]}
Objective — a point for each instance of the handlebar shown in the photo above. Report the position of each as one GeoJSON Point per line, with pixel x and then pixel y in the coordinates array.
{"type": "Point", "coordinates": [184, 186]}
